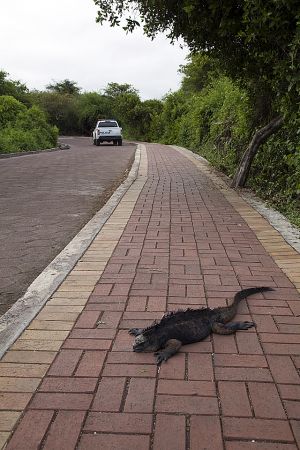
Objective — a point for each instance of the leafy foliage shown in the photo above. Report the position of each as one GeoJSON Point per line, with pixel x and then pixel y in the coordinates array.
{"type": "Point", "coordinates": [60, 109]}
{"type": "Point", "coordinates": [218, 121]}
{"type": "Point", "coordinates": [214, 122]}
{"type": "Point", "coordinates": [89, 107]}
{"type": "Point", "coordinates": [251, 38]}
{"type": "Point", "coordinates": [275, 173]}
{"type": "Point", "coordinates": [13, 88]}
{"type": "Point", "coordinates": [9, 109]}
{"type": "Point", "coordinates": [64, 87]}
{"type": "Point", "coordinates": [212, 114]}
{"type": "Point", "coordinates": [22, 128]}
{"type": "Point", "coordinates": [256, 42]}
{"type": "Point", "coordinates": [198, 72]}
{"type": "Point", "coordinates": [114, 90]}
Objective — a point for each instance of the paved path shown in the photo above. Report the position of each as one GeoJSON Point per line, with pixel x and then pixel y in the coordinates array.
{"type": "Point", "coordinates": [45, 199]}
{"type": "Point", "coordinates": [175, 240]}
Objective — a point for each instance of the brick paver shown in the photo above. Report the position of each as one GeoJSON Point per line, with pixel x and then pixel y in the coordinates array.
{"type": "Point", "coordinates": [176, 240]}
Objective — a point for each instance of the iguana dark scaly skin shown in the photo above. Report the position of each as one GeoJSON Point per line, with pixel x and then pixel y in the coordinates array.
{"type": "Point", "coordinates": [185, 327]}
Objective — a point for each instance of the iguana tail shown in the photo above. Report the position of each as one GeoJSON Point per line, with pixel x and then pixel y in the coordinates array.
{"type": "Point", "coordinates": [226, 313]}
{"type": "Point", "coordinates": [250, 291]}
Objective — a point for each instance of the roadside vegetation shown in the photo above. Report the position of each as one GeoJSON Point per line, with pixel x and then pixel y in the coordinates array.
{"type": "Point", "coordinates": [23, 125]}
{"type": "Point", "coordinates": [238, 104]}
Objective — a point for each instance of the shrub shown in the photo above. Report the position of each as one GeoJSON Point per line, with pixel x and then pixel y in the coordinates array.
{"type": "Point", "coordinates": [24, 129]}
{"type": "Point", "coordinates": [275, 172]}
{"type": "Point", "coordinates": [9, 109]}
{"type": "Point", "coordinates": [215, 122]}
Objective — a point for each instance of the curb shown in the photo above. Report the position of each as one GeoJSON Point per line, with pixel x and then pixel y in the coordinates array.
{"type": "Point", "coordinates": [16, 319]}
{"type": "Point", "coordinates": [34, 152]}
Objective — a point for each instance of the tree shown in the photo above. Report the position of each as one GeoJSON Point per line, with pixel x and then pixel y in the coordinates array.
{"type": "Point", "coordinates": [198, 72]}
{"type": "Point", "coordinates": [150, 119]}
{"type": "Point", "coordinates": [255, 41]}
{"type": "Point", "coordinates": [60, 109]}
{"type": "Point", "coordinates": [115, 89]}
{"type": "Point", "coordinates": [91, 106]}
{"type": "Point", "coordinates": [124, 107]}
{"type": "Point", "coordinates": [124, 100]}
{"type": "Point", "coordinates": [13, 88]}
{"type": "Point", "coordinates": [64, 87]}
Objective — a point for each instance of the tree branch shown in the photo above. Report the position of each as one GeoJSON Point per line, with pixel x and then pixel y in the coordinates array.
{"type": "Point", "coordinates": [258, 139]}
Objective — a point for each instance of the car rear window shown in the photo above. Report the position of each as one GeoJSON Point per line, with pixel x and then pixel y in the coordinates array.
{"type": "Point", "coordinates": [107, 123]}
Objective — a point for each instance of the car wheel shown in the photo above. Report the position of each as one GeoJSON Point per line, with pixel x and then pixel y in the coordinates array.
{"type": "Point", "coordinates": [120, 142]}
{"type": "Point", "coordinates": [115, 142]}
{"type": "Point", "coordinates": [97, 142]}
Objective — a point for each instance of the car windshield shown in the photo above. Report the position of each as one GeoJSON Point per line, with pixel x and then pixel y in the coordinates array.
{"type": "Point", "coordinates": [107, 123]}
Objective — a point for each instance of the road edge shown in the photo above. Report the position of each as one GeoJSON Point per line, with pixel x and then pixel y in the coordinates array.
{"type": "Point", "coordinates": [17, 318]}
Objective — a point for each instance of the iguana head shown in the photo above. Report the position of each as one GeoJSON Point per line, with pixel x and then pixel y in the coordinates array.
{"type": "Point", "coordinates": [146, 342]}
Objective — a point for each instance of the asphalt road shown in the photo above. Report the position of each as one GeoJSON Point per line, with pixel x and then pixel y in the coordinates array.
{"type": "Point", "coordinates": [45, 199]}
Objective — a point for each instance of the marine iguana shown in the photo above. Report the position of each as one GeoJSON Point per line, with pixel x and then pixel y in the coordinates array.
{"type": "Point", "coordinates": [192, 325]}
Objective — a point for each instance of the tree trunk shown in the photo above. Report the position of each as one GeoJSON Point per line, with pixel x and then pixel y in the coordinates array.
{"type": "Point", "coordinates": [259, 138]}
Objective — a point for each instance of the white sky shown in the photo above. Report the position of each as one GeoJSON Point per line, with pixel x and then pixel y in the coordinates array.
{"type": "Point", "coordinates": [43, 41]}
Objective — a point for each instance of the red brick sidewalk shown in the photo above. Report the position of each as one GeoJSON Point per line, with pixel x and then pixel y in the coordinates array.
{"type": "Point", "coordinates": [184, 246]}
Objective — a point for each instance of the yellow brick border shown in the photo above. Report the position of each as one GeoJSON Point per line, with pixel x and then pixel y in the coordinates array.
{"type": "Point", "coordinates": [24, 365]}
{"type": "Point", "coordinates": [284, 255]}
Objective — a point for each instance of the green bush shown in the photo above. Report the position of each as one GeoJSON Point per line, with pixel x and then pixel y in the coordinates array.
{"type": "Point", "coordinates": [24, 129]}
{"type": "Point", "coordinates": [9, 109]}
{"type": "Point", "coordinates": [175, 107]}
{"type": "Point", "coordinates": [60, 110]}
{"type": "Point", "coordinates": [275, 172]}
{"type": "Point", "coordinates": [218, 123]}
{"type": "Point", "coordinates": [214, 122]}
{"type": "Point", "coordinates": [14, 88]}
{"type": "Point", "coordinates": [89, 107]}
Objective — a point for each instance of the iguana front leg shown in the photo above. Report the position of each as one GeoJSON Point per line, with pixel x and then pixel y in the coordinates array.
{"type": "Point", "coordinates": [172, 346]}
{"type": "Point", "coordinates": [230, 328]}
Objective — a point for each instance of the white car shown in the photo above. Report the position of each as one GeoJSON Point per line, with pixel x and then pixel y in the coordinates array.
{"type": "Point", "coordinates": [107, 131]}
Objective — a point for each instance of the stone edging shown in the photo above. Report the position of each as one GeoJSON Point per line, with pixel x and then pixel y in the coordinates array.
{"type": "Point", "coordinates": [34, 152]}
{"type": "Point", "coordinates": [16, 319]}
{"type": "Point", "coordinates": [290, 233]}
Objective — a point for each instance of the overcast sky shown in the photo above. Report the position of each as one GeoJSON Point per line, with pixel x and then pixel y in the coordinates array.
{"type": "Point", "coordinates": [43, 41]}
